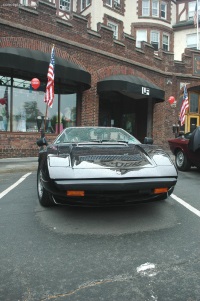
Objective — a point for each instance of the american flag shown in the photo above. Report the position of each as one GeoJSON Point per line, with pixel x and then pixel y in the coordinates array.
{"type": "Point", "coordinates": [195, 16]}
{"type": "Point", "coordinates": [49, 95]}
{"type": "Point", "coordinates": [185, 105]}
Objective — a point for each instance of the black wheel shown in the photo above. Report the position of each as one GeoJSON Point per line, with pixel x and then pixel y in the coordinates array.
{"type": "Point", "coordinates": [44, 197]}
{"type": "Point", "coordinates": [182, 162]}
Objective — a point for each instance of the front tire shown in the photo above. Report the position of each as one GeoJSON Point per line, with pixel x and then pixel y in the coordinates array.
{"type": "Point", "coordinates": [44, 196]}
{"type": "Point", "coordinates": [182, 162]}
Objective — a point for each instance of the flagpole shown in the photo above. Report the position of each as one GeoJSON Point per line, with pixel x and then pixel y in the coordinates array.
{"type": "Point", "coordinates": [45, 117]}
{"type": "Point", "coordinates": [197, 25]}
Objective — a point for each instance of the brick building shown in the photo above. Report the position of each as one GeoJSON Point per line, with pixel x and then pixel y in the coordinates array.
{"type": "Point", "coordinates": [116, 64]}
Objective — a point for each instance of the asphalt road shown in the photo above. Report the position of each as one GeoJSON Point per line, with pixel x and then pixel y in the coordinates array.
{"type": "Point", "coordinates": [149, 252]}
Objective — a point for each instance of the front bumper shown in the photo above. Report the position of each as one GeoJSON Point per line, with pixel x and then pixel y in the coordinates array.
{"type": "Point", "coordinates": [109, 192]}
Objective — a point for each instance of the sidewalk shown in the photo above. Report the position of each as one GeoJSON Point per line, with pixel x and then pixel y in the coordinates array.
{"type": "Point", "coordinates": [18, 164]}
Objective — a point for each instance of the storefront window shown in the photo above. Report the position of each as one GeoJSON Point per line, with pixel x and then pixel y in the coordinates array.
{"type": "Point", "coordinates": [29, 108]}
{"type": "Point", "coordinates": [29, 111]}
{"type": "Point", "coordinates": [194, 103]}
{"type": "Point", "coordinates": [5, 83]}
{"type": "Point", "coordinates": [68, 110]}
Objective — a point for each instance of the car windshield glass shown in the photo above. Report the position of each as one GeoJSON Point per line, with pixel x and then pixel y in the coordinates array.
{"type": "Point", "coordinates": [95, 134]}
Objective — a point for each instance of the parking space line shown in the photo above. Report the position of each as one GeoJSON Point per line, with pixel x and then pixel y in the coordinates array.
{"type": "Point", "coordinates": [186, 205]}
{"type": "Point", "coordinates": [2, 194]}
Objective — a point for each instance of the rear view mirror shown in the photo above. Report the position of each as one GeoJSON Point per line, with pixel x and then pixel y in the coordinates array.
{"type": "Point", "coordinates": [41, 142]}
{"type": "Point", "coordinates": [148, 140]}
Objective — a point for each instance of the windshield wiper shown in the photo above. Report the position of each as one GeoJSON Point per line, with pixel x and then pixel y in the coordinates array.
{"type": "Point", "coordinates": [115, 141]}
{"type": "Point", "coordinates": [123, 141]}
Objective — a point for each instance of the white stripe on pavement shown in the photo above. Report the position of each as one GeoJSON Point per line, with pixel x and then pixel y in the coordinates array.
{"type": "Point", "coordinates": [186, 205]}
{"type": "Point", "coordinates": [2, 194]}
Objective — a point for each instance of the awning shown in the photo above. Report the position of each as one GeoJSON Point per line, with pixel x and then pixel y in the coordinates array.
{"type": "Point", "coordinates": [26, 63]}
{"type": "Point", "coordinates": [131, 86]}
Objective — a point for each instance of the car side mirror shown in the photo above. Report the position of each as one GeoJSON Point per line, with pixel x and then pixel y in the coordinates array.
{"type": "Point", "coordinates": [148, 140]}
{"type": "Point", "coordinates": [42, 141]}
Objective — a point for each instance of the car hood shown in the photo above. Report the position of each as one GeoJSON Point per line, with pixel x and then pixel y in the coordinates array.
{"type": "Point", "coordinates": [107, 156]}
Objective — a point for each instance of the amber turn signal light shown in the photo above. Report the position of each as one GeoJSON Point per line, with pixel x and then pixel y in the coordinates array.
{"type": "Point", "coordinates": [160, 190]}
{"type": "Point", "coordinates": [75, 192]}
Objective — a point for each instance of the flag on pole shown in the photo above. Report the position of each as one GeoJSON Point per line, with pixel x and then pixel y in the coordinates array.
{"type": "Point", "coordinates": [195, 15]}
{"type": "Point", "coordinates": [185, 105]}
{"type": "Point", "coordinates": [49, 95]}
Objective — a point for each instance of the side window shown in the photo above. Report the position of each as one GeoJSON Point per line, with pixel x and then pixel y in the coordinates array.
{"type": "Point", "coordinates": [114, 28]}
{"type": "Point", "coordinates": [163, 10]}
{"type": "Point", "coordinates": [191, 9]}
{"type": "Point", "coordinates": [109, 2]}
{"type": "Point", "coordinates": [155, 8]}
{"type": "Point", "coordinates": [165, 42]}
{"type": "Point", "coordinates": [65, 5]}
{"type": "Point", "coordinates": [141, 35]}
{"type": "Point", "coordinates": [145, 8]}
{"type": "Point", "coordinates": [155, 40]}
{"type": "Point", "coordinates": [85, 3]}
{"type": "Point", "coordinates": [191, 40]}
{"type": "Point", "coordinates": [194, 103]}
{"type": "Point", "coordinates": [116, 4]}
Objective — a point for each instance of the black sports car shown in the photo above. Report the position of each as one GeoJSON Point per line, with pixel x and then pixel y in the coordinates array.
{"type": "Point", "coordinates": [98, 166]}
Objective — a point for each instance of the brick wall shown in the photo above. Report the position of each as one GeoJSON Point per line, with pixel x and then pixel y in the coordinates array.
{"type": "Point", "coordinates": [99, 54]}
{"type": "Point", "coordinates": [15, 145]}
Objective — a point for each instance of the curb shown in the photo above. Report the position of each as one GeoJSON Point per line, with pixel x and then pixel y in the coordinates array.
{"type": "Point", "coordinates": [9, 165]}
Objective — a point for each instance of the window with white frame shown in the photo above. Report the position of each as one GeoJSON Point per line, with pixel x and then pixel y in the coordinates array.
{"type": "Point", "coordinates": [191, 9]}
{"type": "Point", "coordinates": [114, 28]}
{"type": "Point", "coordinates": [141, 35]}
{"type": "Point", "coordinates": [145, 7]}
{"type": "Point", "coordinates": [109, 2]}
{"type": "Point", "coordinates": [165, 42]}
{"type": "Point", "coordinates": [85, 3]}
{"type": "Point", "coordinates": [65, 5]}
{"type": "Point", "coordinates": [32, 4]}
{"type": "Point", "coordinates": [155, 40]}
{"type": "Point", "coordinates": [116, 3]}
{"type": "Point", "coordinates": [24, 2]}
{"type": "Point", "coordinates": [163, 10]}
{"type": "Point", "coordinates": [155, 8]}
{"type": "Point", "coordinates": [191, 40]}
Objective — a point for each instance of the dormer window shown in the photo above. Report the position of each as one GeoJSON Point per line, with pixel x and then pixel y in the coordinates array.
{"type": "Point", "coordinates": [65, 5]}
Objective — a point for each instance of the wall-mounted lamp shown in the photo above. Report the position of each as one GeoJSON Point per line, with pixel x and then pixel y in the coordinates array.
{"type": "Point", "coordinates": [175, 129]}
{"type": "Point", "coordinates": [169, 82]}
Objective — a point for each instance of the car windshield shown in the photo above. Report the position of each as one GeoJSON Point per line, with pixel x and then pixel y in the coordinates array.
{"type": "Point", "coordinates": [95, 134]}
